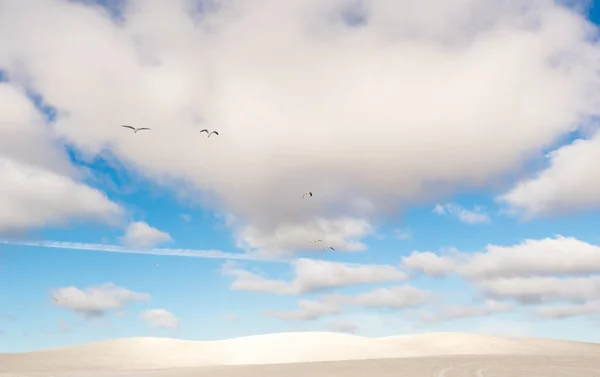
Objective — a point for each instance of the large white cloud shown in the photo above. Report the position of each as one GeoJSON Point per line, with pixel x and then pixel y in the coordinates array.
{"type": "Point", "coordinates": [562, 271]}
{"type": "Point", "coordinates": [450, 93]}
{"type": "Point", "coordinates": [571, 182]}
{"type": "Point", "coordinates": [313, 275]}
{"type": "Point", "coordinates": [549, 256]}
{"type": "Point", "coordinates": [38, 186]}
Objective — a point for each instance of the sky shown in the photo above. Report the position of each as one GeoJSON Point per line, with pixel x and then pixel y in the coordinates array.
{"type": "Point", "coordinates": [450, 148]}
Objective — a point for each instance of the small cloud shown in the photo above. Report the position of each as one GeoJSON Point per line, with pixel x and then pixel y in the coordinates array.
{"type": "Point", "coordinates": [464, 215]}
{"type": "Point", "coordinates": [160, 318]}
{"type": "Point", "coordinates": [141, 235]}
{"type": "Point", "coordinates": [95, 301]}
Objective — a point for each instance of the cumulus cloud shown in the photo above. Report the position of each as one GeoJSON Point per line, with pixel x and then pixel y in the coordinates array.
{"type": "Point", "coordinates": [560, 270]}
{"type": "Point", "coordinates": [570, 182]}
{"type": "Point", "coordinates": [464, 215]}
{"type": "Point", "coordinates": [160, 318]}
{"type": "Point", "coordinates": [347, 109]}
{"type": "Point", "coordinates": [487, 308]}
{"type": "Point", "coordinates": [307, 311]}
{"type": "Point", "coordinates": [95, 301]}
{"type": "Point", "coordinates": [549, 256]}
{"type": "Point", "coordinates": [141, 235]}
{"type": "Point", "coordinates": [285, 240]}
{"type": "Point", "coordinates": [568, 310]}
{"type": "Point", "coordinates": [399, 297]}
{"type": "Point", "coordinates": [312, 275]}
{"type": "Point", "coordinates": [38, 187]}
{"type": "Point", "coordinates": [542, 289]}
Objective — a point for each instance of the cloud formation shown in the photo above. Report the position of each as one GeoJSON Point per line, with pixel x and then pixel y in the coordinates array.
{"type": "Point", "coordinates": [464, 215]}
{"type": "Point", "coordinates": [449, 313]}
{"type": "Point", "coordinates": [561, 272]}
{"type": "Point", "coordinates": [571, 182]}
{"type": "Point", "coordinates": [347, 107]}
{"type": "Point", "coordinates": [97, 300]}
{"type": "Point", "coordinates": [160, 318]}
{"type": "Point", "coordinates": [38, 187]}
{"type": "Point", "coordinates": [313, 275]}
{"type": "Point", "coordinates": [549, 256]}
{"type": "Point", "coordinates": [141, 235]}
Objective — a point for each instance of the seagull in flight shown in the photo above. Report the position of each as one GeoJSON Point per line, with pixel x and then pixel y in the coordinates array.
{"type": "Point", "coordinates": [55, 299]}
{"type": "Point", "coordinates": [315, 241]}
{"type": "Point", "coordinates": [309, 193]}
{"type": "Point", "coordinates": [135, 130]}
{"type": "Point", "coordinates": [209, 133]}
{"type": "Point", "coordinates": [329, 248]}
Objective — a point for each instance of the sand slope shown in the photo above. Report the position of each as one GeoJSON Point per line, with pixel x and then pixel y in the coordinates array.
{"type": "Point", "coordinates": [158, 353]}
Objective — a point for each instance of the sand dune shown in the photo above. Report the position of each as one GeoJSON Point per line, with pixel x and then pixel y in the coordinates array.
{"type": "Point", "coordinates": [163, 354]}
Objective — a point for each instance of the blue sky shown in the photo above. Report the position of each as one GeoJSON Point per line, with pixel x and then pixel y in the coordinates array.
{"type": "Point", "coordinates": [458, 189]}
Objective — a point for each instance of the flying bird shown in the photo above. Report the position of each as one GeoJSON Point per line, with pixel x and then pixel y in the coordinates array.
{"type": "Point", "coordinates": [309, 193]}
{"type": "Point", "coordinates": [315, 241]}
{"type": "Point", "coordinates": [209, 133]}
{"type": "Point", "coordinates": [329, 248]}
{"type": "Point", "coordinates": [55, 299]}
{"type": "Point", "coordinates": [135, 130]}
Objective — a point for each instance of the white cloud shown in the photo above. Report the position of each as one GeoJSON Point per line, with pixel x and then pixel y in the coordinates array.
{"type": "Point", "coordinates": [442, 98]}
{"type": "Point", "coordinates": [464, 215]}
{"type": "Point", "coordinates": [341, 234]}
{"type": "Point", "coordinates": [429, 263]}
{"type": "Point", "coordinates": [160, 318]}
{"type": "Point", "coordinates": [571, 182]}
{"type": "Point", "coordinates": [313, 275]}
{"type": "Point", "coordinates": [38, 187]}
{"type": "Point", "coordinates": [548, 256]}
{"type": "Point", "coordinates": [141, 235]}
{"type": "Point", "coordinates": [487, 308]}
{"type": "Point", "coordinates": [542, 289]}
{"type": "Point", "coordinates": [568, 310]}
{"type": "Point", "coordinates": [95, 301]}
{"type": "Point", "coordinates": [398, 297]}
{"type": "Point", "coordinates": [307, 311]}
{"type": "Point", "coordinates": [31, 197]}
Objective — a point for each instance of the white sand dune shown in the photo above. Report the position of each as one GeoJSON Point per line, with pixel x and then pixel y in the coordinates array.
{"type": "Point", "coordinates": [157, 353]}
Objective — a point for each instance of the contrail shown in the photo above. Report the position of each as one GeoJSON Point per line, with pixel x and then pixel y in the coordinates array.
{"type": "Point", "coordinates": [190, 253]}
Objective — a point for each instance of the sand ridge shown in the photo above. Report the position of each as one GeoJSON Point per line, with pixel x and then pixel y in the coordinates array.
{"type": "Point", "coordinates": [280, 348]}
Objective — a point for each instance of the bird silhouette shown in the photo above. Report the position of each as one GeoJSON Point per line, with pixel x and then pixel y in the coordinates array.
{"type": "Point", "coordinates": [209, 133]}
{"type": "Point", "coordinates": [135, 130]}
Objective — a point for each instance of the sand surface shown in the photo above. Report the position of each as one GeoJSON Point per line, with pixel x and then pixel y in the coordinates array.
{"type": "Point", "coordinates": [314, 354]}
